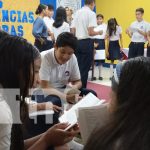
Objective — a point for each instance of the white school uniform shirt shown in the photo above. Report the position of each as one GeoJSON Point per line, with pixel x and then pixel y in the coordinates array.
{"type": "Point", "coordinates": [143, 26]}
{"type": "Point", "coordinates": [148, 29]}
{"type": "Point", "coordinates": [102, 27]}
{"type": "Point", "coordinates": [49, 23]}
{"type": "Point", "coordinates": [84, 18]}
{"type": "Point", "coordinates": [5, 125]}
{"type": "Point", "coordinates": [57, 31]}
{"type": "Point", "coordinates": [116, 36]}
{"type": "Point", "coordinates": [59, 75]}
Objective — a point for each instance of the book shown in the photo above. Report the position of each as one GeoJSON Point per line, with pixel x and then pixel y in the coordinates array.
{"type": "Point", "coordinates": [71, 115]}
{"type": "Point", "coordinates": [92, 118]}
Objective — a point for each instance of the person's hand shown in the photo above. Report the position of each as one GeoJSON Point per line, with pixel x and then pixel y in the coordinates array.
{"type": "Point", "coordinates": [49, 106]}
{"type": "Point", "coordinates": [101, 32]}
{"type": "Point", "coordinates": [56, 135]}
{"type": "Point", "coordinates": [107, 54]}
{"type": "Point", "coordinates": [73, 98]}
{"type": "Point", "coordinates": [127, 31]}
{"type": "Point", "coordinates": [96, 45]}
{"type": "Point", "coordinates": [57, 108]}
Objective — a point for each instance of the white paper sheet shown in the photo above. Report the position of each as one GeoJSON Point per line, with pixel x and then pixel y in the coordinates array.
{"type": "Point", "coordinates": [100, 55]}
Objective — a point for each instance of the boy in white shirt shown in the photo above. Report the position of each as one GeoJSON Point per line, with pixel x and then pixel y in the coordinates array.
{"type": "Point", "coordinates": [83, 26]}
{"type": "Point", "coordinates": [138, 34]}
{"type": "Point", "coordinates": [100, 39]}
{"type": "Point", "coordinates": [49, 22]}
{"type": "Point", "coordinates": [59, 69]}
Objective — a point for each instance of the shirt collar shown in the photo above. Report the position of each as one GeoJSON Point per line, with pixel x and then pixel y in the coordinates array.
{"type": "Point", "coordinates": [54, 58]}
{"type": "Point", "coordinates": [86, 7]}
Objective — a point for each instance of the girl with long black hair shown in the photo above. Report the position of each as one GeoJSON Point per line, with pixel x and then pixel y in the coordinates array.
{"type": "Point", "coordinates": [19, 65]}
{"type": "Point", "coordinates": [113, 48]}
{"type": "Point", "coordinates": [60, 25]}
{"type": "Point", "coordinates": [129, 125]}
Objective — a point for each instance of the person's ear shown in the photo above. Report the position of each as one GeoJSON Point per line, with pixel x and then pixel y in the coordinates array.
{"type": "Point", "coordinates": [55, 46]}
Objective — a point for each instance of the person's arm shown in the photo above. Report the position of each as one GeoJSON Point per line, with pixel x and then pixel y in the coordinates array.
{"type": "Point", "coordinates": [148, 38]}
{"type": "Point", "coordinates": [48, 89]}
{"type": "Point", "coordinates": [52, 91]}
{"type": "Point", "coordinates": [121, 41]}
{"type": "Point", "coordinates": [107, 39]}
{"type": "Point", "coordinates": [55, 136]}
{"type": "Point", "coordinates": [29, 142]}
{"type": "Point", "coordinates": [37, 28]}
{"type": "Point", "coordinates": [91, 32]}
{"type": "Point", "coordinates": [142, 32]}
{"type": "Point", "coordinates": [76, 84]}
{"type": "Point", "coordinates": [129, 33]}
{"type": "Point", "coordinates": [92, 25]}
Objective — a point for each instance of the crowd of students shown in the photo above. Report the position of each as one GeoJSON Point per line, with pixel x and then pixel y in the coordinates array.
{"type": "Point", "coordinates": [61, 59]}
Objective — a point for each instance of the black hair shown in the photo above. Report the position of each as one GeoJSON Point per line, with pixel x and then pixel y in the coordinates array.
{"type": "Point", "coordinates": [66, 7]}
{"type": "Point", "coordinates": [40, 8]}
{"type": "Point", "coordinates": [60, 17]}
{"type": "Point", "coordinates": [141, 10]}
{"type": "Point", "coordinates": [16, 60]}
{"type": "Point", "coordinates": [50, 7]}
{"type": "Point", "coordinates": [3, 33]}
{"type": "Point", "coordinates": [67, 39]}
{"type": "Point", "coordinates": [100, 15]}
{"type": "Point", "coordinates": [112, 26]}
{"type": "Point", "coordinates": [88, 2]}
{"type": "Point", "coordinates": [129, 126]}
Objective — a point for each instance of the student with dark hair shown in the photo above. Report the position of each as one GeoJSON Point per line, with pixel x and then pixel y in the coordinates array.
{"type": "Point", "coordinates": [60, 68]}
{"type": "Point", "coordinates": [69, 13]}
{"type": "Point", "coordinates": [60, 24]}
{"type": "Point", "coordinates": [49, 23]}
{"type": "Point", "coordinates": [138, 34]}
{"type": "Point", "coordinates": [113, 49]}
{"type": "Point", "coordinates": [83, 27]}
{"type": "Point", "coordinates": [129, 126]}
{"type": "Point", "coordinates": [100, 40]}
{"type": "Point", "coordinates": [40, 30]}
{"type": "Point", "coordinates": [20, 62]}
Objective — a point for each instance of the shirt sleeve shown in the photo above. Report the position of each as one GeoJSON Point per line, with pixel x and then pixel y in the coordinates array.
{"type": "Point", "coordinates": [38, 28]}
{"type": "Point", "coordinates": [5, 133]}
{"type": "Point", "coordinates": [148, 28]}
{"type": "Point", "coordinates": [73, 21]}
{"type": "Point", "coordinates": [92, 20]}
{"type": "Point", "coordinates": [120, 29]}
{"type": "Point", "coordinates": [75, 73]}
{"type": "Point", "coordinates": [45, 69]}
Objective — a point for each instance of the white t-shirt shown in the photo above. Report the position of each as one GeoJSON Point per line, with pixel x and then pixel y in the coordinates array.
{"type": "Point", "coordinates": [102, 27]}
{"type": "Point", "coordinates": [5, 125]}
{"type": "Point", "coordinates": [84, 18]}
{"type": "Point", "coordinates": [143, 26]}
{"type": "Point", "coordinates": [49, 23]}
{"type": "Point", "coordinates": [116, 36]}
{"type": "Point", "coordinates": [59, 75]}
{"type": "Point", "coordinates": [148, 29]}
{"type": "Point", "coordinates": [57, 31]}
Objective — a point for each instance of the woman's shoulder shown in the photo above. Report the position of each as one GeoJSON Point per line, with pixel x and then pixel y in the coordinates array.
{"type": "Point", "coordinates": [6, 116]}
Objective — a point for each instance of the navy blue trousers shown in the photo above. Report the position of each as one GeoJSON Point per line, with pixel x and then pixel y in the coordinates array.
{"type": "Point", "coordinates": [84, 54]}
